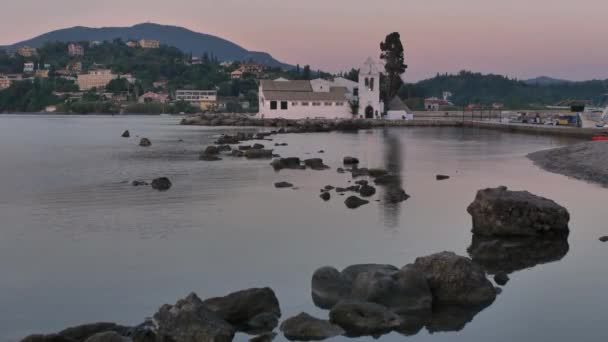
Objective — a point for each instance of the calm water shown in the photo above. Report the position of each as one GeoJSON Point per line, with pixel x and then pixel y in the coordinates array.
{"type": "Point", "coordinates": [78, 244]}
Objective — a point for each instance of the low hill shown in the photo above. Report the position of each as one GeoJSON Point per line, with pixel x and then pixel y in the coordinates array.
{"type": "Point", "coordinates": [186, 40]}
{"type": "Point", "coordinates": [544, 80]}
{"type": "Point", "coordinates": [476, 88]}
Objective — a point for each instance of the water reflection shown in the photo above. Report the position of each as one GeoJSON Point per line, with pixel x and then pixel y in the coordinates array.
{"type": "Point", "coordinates": [513, 254]}
{"type": "Point", "coordinates": [394, 165]}
{"type": "Point", "coordinates": [443, 318]}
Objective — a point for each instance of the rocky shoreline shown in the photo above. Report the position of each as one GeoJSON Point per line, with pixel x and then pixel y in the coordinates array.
{"type": "Point", "coordinates": [584, 161]}
{"type": "Point", "coordinates": [439, 292]}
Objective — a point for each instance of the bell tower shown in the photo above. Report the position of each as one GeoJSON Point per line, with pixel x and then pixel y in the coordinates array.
{"type": "Point", "coordinates": [370, 106]}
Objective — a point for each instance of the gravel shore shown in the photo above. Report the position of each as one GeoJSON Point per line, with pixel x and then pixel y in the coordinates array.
{"type": "Point", "coordinates": [585, 161]}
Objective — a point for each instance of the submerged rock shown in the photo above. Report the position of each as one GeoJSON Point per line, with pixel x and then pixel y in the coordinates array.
{"type": "Point", "coordinates": [208, 157]}
{"type": "Point", "coordinates": [350, 160]}
{"type": "Point", "coordinates": [367, 190]}
{"type": "Point", "coordinates": [258, 154]}
{"type": "Point", "coordinates": [396, 195]}
{"type": "Point", "coordinates": [282, 185]}
{"type": "Point", "coordinates": [501, 212]}
{"type": "Point", "coordinates": [145, 142]}
{"type": "Point", "coordinates": [455, 279]}
{"type": "Point", "coordinates": [354, 202]}
{"type": "Point", "coordinates": [249, 310]}
{"type": "Point", "coordinates": [315, 164]}
{"type": "Point", "coordinates": [126, 134]}
{"type": "Point", "coordinates": [211, 150]}
{"type": "Point", "coordinates": [161, 184]}
{"type": "Point", "coordinates": [442, 177]}
{"type": "Point", "coordinates": [304, 327]}
{"type": "Point", "coordinates": [189, 320]}
{"type": "Point", "coordinates": [325, 196]}
{"type": "Point", "coordinates": [139, 183]}
{"type": "Point", "coordinates": [363, 319]}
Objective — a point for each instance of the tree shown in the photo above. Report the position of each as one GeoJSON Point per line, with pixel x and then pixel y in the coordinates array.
{"type": "Point", "coordinates": [392, 54]}
{"type": "Point", "coordinates": [117, 86]}
{"type": "Point", "coordinates": [306, 72]}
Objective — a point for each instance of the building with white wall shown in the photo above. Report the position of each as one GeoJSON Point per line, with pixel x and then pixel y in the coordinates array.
{"type": "Point", "coordinates": [98, 79]}
{"type": "Point", "coordinates": [205, 99]}
{"type": "Point", "coordinates": [370, 106]}
{"type": "Point", "coordinates": [320, 98]}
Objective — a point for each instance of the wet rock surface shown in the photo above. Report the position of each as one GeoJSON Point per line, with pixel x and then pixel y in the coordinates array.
{"type": "Point", "coordinates": [501, 212]}
{"type": "Point", "coordinates": [249, 310]}
{"type": "Point", "coordinates": [354, 202]}
{"type": "Point", "coordinates": [304, 327]}
{"type": "Point", "coordinates": [161, 184]}
{"type": "Point", "coordinates": [455, 279]}
{"type": "Point", "coordinates": [189, 320]}
{"type": "Point", "coordinates": [145, 142]}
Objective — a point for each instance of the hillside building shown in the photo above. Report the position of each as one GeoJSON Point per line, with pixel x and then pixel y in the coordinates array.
{"type": "Point", "coordinates": [149, 44]}
{"type": "Point", "coordinates": [75, 50]}
{"type": "Point", "coordinates": [28, 67]}
{"type": "Point", "coordinates": [205, 99]}
{"type": "Point", "coordinates": [95, 79]}
{"type": "Point", "coordinates": [26, 51]}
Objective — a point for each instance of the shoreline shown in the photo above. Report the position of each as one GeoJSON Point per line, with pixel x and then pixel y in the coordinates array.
{"type": "Point", "coordinates": [323, 125]}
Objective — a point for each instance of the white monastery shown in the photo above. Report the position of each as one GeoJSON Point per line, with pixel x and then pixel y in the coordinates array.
{"type": "Point", "coordinates": [325, 99]}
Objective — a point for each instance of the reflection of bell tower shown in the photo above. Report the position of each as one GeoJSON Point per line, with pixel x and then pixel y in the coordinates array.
{"type": "Point", "coordinates": [369, 90]}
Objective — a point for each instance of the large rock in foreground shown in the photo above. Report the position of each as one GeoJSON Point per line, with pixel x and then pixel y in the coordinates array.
{"type": "Point", "coordinates": [304, 327]}
{"type": "Point", "coordinates": [252, 310]}
{"type": "Point", "coordinates": [190, 321]}
{"type": "Point", "coordinates": [455, 279]}
{"type": "Point", "coordinates": [501, 212]}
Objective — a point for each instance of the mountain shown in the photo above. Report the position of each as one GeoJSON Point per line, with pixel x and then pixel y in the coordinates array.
{"type": "Point", "coordinates": [186, 40]}
{"type": "Point", "coordinates": [544, 81]}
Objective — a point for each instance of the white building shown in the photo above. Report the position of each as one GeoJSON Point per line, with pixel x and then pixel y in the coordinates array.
{"type": "Point", "coordinates": [370, 106]}
{"type": "Point", "coordinates": [397, 110]}
{"type": "Point", "coordinates": [319, 98]}
{"type": "Point", "coordinates": [28, 67]}
{"type": "Point", "coordinates": [205, 99]}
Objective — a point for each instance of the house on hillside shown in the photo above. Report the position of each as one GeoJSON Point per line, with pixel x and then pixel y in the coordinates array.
{"type": "Point", "coordinates": [26, 51]}
{"type": "Point", "coordinates": [435, 104]}
{"type": "Point", "coordinates": [149, 44]}
{"type": "Point", "coordinates": [319, 98]}
{"type": "Point", "coordinates": [75, 50]}
{"type": "Point", "coordinates": [151, 96]}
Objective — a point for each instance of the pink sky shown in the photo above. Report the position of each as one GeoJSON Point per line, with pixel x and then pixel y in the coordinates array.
{"type": "Point", "coordinates": [517, 38]}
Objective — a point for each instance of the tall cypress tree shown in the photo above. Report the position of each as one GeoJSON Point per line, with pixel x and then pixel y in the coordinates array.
{"type": "Point", "coordinates": [392, 54]}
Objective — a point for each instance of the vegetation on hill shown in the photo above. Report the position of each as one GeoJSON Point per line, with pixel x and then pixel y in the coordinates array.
{"type": "Point", "coordinates": [476, 88]}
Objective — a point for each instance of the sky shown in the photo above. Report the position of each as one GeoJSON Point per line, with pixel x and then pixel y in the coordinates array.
{"type": "Point", "coordinates": [516, 38]}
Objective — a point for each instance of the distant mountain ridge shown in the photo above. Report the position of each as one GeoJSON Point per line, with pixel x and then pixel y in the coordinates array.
{"type": "Point", "coordinates": [545, 80]}
{"type": "Point", "coordinates": [186, 40]}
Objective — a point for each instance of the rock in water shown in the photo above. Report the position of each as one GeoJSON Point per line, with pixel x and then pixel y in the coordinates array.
{"type": "Point", "coordinates": [362, 319]}
{"type": "Point", "coordinates": [249, 310]}
{"type": "Point", "coordinates": [354, 202]}
{"type": "Point", "coordinates": [211, 150]}
{"type": "Point", "coordinates": [282, 185]}
{"type": "Point", "coordinates": [82, 332]}
{"type": "Point", "coordinates": [329, 287]}
{"type": "Point", "coordinates": [257, 146]}
{"type": "Point", "coordinates": [209, 157]}
{"type": "Point", "coordinates": [455, 279]}
{"type": "Point", "coordinates": [145, 142]}
{"type": "Point", "coordinates": [396, 195]}
{"type": "Point", "coordinates": [325, 196]}
{"type": "Point", "coordinates": [350, 160]}
{"type": "Point", "coordinates": [126, 134]}
{"type": "Point", "coordinates": [315, 164]}
{"type": "Point", "coordinates": [161, 184]}
{"type": "Point", "coordinates": [442, 177]}
{"type": "Point", "coordinates": [190, 321]}
{"type": "Point", "coordinates": [500, 212]}
{"type": "Point", "coordinates": [108, 336]}
{"type": "Point", "coordinates": [405, 291]}
{"type": "Point", "coordinates": [367, 190]}
{"type": "Point", "coordinates": [257, 154]}
{"type": "Point", "coordinates": [604, 239]}
{"type": "Point", "coordinates": [304, 327]}
{"type": "Point", "coordinates": [238, 153]}
{"type": "Point", "coordinates": [139, 183]}
{"type": "Point", "coordinates": [501, 278]}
